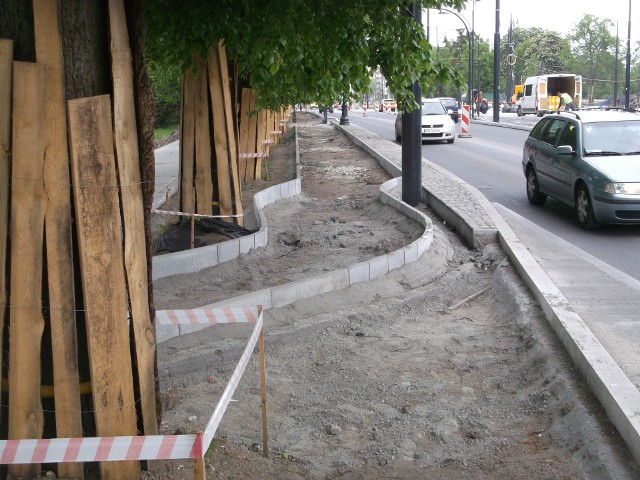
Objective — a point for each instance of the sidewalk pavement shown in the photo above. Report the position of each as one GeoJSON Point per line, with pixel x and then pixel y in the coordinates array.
{"type": "Point", "coordinates": [591, 306]}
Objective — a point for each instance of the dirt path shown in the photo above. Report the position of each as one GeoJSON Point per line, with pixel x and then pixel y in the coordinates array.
{"type": "Point", "coordinates": [394, 378]}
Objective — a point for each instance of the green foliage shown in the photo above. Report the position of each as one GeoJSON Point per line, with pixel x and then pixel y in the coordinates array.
{"type": "Point", "coordinates": [166, 80]}
{"type": "Point", "coordinates": [162, 132]}
{"type": "Point", "coordinates": [594, 53]}
{"type": "Point", "coordinates": [303, 50]}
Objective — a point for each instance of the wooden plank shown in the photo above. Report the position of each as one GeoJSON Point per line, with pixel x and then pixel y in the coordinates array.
{"type": "Point", "coordinates": [251, 141]}
{"type": "Point", "coordinates": [187, 143]}
{"type": "Point", "coordinates": [203, 180]}
{"type": "Point", "coordinates": [135, 259]}
{"type": "Point", "coordinates": [261, 148]}
{"type": "Point", "coordinates": [244, 133]}
{"type": "Point", "coordinates": [98, 226]}
{"type": "Point", "coordinates": [64, 344]}
{"type": "Point", "coordinates": [231, 132]}
{"type": "Point", "coordinates": [220, 139]}
{"type": "Point", "coordinates": [28, 207]}
{"type": "Point", "coordinates": [6, 74]}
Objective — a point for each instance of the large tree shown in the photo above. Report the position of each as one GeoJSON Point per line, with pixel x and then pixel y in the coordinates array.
{"type": "Point", "coordinates": [593, 48]}
{"type": "Point", "coordinates": [303, 50]}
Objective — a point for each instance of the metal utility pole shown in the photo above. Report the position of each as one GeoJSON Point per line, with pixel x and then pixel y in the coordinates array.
{"type": "Point", "coordinates": [344, 118]}
{"type": "Point", "coordinates": [615, 71]}
{"type": "Point", "coordinates": [470, 47]}
{"type": "Point", "coordinates": [412, 139]}
{"type": "Point", "coordinates": [628, 70]}
{"type": "Point", "coordinates": [510, 82]}
{"type": "Point", "coordinates": [496, 66]}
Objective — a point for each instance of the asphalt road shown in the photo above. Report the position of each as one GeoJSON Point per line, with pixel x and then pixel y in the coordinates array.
{"type": "Point", "coordinates": [491, 161]}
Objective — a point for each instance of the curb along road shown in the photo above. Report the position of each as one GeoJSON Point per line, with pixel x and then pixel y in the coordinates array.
{"type": "Point", "coordinates": [609, 382]}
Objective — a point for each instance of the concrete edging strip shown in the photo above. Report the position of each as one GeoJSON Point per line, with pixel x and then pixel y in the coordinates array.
{"type": "Point", "coordinates": [191, 261]}
{"type": "Point", "coordinates": [285, 294]}
{"type": "Point", "coordinates": [617, 394]}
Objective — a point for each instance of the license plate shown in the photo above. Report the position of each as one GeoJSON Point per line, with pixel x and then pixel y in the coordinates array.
{"type": "Point", "coordinates": [430, 130]}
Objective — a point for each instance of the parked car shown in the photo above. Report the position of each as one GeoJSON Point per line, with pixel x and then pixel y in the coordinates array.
{"type": "Point", "coordinates": [436, 123]}
{"type": "Point", "coordinates": [452, 107]}
{"type": "Point", "coordinates": [589, 160]}
{"type": "Point", "coordinates": [321, 109]}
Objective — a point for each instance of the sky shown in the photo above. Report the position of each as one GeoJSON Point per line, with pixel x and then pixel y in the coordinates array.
{"type": "Point", "coordinates": [556, 15]}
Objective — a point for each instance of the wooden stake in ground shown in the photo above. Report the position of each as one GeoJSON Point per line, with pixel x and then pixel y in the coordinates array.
{"type": "Point", "coordinates": [243, 161]}
{"type": "Point", "coordinates": [127, 154]}
{"type": "Point", "coordinates": [187, 144]}
{"type": "Point", "coordinates": [64, 345]}
{"type": "Point", "coordinates": [261, 147]}
{"type": "Point", "coordinates": [103, 279]}
{"type": "Point", "coordinates": [220, 139]}
{"type": "Point", "coordinates": [231, 131]}
{"type": "Point", "coordinates": [253, 126]}
{"type": "Point", "coordinates": [203, 179]}
{"type": "Point", "coordinates": [6, 69]}
{"type": "Point", "coordinates": [28, 207]}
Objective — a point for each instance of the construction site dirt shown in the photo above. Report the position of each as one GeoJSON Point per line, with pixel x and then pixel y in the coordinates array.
{"type": "Point", "coordinates": [442, 369]}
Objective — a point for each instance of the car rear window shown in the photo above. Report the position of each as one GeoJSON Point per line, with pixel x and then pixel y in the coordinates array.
{"type": "Point", "coordinates": [551, 132]}
{"type": "Point", "coordinates": [538, 128]}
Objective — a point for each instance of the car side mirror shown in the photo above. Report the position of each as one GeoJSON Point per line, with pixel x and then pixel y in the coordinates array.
{"type": "Point", "coordinates": [564, 150]}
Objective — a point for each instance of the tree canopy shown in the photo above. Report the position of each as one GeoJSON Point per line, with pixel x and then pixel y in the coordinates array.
{"type": "Point", "coordinates": [295, 51]}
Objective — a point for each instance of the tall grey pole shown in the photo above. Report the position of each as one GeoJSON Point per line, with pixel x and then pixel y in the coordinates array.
{"type": "Point", "coordinates": [628, 70]}
{"type": "Point", "coordinates": [615, 70]}
{"type": "Point", "coordinates": [496, 66]}
{"type": "Point", "coordinates": [412, 139]}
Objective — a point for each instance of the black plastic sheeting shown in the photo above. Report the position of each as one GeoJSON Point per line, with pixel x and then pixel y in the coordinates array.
{"type": "Point", "coordinates": [179, 238]}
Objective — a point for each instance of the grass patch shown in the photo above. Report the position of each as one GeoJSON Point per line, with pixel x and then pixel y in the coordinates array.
{"type": "Point", "coordinates": [163, 132]}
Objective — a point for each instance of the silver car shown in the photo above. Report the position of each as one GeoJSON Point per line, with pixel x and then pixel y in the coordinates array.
{"type": "Point", "coordinates": [436, 123]}
{"type": "Point", "coordinates": [589, 160]}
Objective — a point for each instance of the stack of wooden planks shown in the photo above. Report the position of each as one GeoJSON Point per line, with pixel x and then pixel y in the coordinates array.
{"type": "Point", "coordinates": [209, 180]}
{"type": "Point", "coordinates": [212, 169]}
{"type": "Point", "coordinates": [42, 169]}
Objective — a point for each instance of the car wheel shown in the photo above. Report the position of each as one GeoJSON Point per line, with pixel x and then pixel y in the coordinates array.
{"type": "Point", "coordinates": [533, 188]}
{"type": "Point", "coordinates": [539, 113]}
{"type": "Point", "coordinates": [520, 112]}
{"type": "Point", "coordinates": [398, 138]}
{"type": "Point", "coordinates": [584, 209]}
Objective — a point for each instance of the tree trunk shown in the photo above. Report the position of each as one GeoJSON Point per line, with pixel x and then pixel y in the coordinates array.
{"type": "Point", "coordinates": [87, 73]}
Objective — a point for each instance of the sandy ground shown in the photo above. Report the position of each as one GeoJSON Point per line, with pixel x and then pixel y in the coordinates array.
{"type": "Point", "coordinates": [403, 377]}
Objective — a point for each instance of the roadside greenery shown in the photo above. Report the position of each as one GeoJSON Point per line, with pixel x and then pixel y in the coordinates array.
{"type": "Point", "coordinates": [303, 51]}
{"type": "Point", "coordinates": [588, 50]}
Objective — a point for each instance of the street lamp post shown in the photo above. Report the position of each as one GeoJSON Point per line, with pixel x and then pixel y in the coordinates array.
{"type": "Point", "coordinates": [470, 71]}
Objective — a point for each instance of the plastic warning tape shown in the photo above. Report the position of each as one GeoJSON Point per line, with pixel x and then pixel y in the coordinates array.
{"type": "Point", "coordinates": [143, 447]}
{"type": "Point", "coordinates": [185, 214]}
{"type": "Point", "coordinates": [275, 132]}
{"type": "Point", "coordinates": [253, 155]}
{"type": "Point", "coordinates": [213, 423]}
{"type": "Point", "coordinates": [207, 316]}
{"type": "Point", "coordinates": [100, 449]}
{"type": "Point", "coordinates": [269, 140]}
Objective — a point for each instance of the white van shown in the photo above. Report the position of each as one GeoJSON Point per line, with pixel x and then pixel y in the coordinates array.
{"type": "Point", "coordinates": [542, 93]}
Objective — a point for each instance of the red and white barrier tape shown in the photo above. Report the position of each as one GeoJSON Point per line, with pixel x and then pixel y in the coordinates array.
{"type": "Point", "coordinates": [143, 447]}
{"type": "Point", "coordinates": [275, 132]}
{"type": "Point", "coordinates": [101, 449]}
{"type": "Point", "coordinates": [253, 155]}
{"type": "Point", "coordinates": [210, 430]}
{"type": "Point", "coordinates": [184, 214]}
{"type": "Point", "coordinates": [207, 316]}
